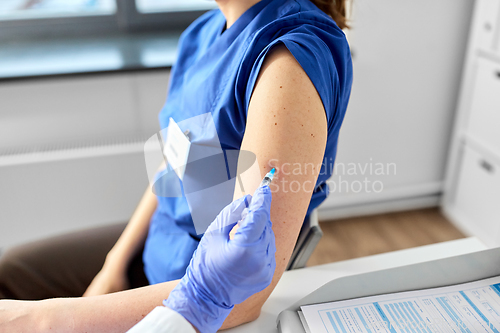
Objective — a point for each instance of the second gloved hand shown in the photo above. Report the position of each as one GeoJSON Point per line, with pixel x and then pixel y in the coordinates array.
{"type": "Point", "coordinates": [225, 272]}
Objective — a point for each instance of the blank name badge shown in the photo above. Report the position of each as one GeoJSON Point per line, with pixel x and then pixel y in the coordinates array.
{"type": "Point", "coordinates": [176, 148]}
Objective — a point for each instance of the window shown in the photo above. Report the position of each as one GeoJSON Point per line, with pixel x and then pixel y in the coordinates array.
{"type": "Point", "coordinates": [53, 18]}
{"type": "Point", "coordinates": [31, 9]}
{"type": "Point", "coordinates": [155, 6]}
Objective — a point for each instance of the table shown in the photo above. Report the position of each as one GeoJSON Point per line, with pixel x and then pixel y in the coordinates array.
{"type": "Point", "coordinates": [298, 283]}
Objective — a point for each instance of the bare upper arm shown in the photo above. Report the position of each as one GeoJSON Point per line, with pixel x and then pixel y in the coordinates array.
{"type": "Point", "coordinates": [287, 129]}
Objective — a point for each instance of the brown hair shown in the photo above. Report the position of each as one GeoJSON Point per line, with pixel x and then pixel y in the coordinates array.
{"type": "Point", "coordinates": [336, 9]}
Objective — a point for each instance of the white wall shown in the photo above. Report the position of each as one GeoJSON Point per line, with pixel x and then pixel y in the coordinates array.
{"type": "Point", "coordinates": [80, 108]}
{"type": "Point", "coordinates": [408, 58]}
{"type": "Point", "coordinates": [90, 167]}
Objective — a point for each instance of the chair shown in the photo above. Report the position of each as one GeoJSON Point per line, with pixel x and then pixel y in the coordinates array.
{"type": "Point", "coordinates": [308, 239]}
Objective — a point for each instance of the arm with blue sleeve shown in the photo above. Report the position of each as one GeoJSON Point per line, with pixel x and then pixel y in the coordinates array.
{"type": "Point", "coordinates": [215, 279]}
{"type": "Point", "coordinates": [286, 128]}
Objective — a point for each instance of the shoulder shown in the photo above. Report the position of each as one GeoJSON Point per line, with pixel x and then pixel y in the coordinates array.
{"type": "Point", "coordinates": [284, 86]}
{"type": "Point", "coordinates": [312, 44]}
{"type": "Point", "coordinates": [306, 59]}
{"type": "Point", "coordinates": [318, 45]}
{"type": "Point", "coordinates": [302, 21]}
{"type": "Point", "coordinates": [300, 39]}
{"type": "Point", "coordinates": [280, 62]}
{"type": "Point", "coordinates": [282, 77]}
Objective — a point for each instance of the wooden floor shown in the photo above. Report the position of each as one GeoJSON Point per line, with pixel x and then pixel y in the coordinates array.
{"type": "Point", "coordinates": [368, 235]}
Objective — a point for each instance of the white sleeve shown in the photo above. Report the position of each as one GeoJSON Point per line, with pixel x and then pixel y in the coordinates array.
{"type": "Point", "coordinates": [162, 320]}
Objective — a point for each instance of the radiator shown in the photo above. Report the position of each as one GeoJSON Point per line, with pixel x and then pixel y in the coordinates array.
{"type": "Point", "coordinates": [49, 190]}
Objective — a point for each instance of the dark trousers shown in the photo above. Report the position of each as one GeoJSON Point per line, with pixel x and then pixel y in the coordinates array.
{"type": "Point", "coordinates": [62, 266]}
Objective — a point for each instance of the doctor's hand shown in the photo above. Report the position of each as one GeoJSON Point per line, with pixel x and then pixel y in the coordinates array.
{"type": "Point", "coordinates": [224, 272]}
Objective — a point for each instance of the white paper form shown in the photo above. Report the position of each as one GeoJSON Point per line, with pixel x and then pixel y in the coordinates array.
{"type": "Point", "coordinates": [464, 308]}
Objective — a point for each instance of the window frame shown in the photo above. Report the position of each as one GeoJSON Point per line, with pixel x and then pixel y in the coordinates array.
{"type": "Point", "coordinates": [126, 19]}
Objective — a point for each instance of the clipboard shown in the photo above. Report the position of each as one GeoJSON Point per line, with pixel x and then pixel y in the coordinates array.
{"type": "Point", "coordinates": [432, 274]}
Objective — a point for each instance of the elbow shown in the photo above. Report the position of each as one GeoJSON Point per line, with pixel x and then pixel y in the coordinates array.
{"type": "Point", "coordinates": [251, 316]}
{"type": "Point", "coordinates": [239, 317]}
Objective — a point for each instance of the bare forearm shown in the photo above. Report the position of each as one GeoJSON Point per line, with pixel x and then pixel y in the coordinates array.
{"type": "Point", "coordinates": [136, 231]}
{"type": "Point", "coordinates": [115, 312]}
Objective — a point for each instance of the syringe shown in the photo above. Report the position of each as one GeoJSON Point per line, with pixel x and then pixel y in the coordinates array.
{"type": "Point", "coordinates": [268, 178]}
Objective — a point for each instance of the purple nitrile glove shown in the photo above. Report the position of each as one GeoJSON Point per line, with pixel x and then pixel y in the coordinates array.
{"type": "Point", "coordinates": [226, 272]}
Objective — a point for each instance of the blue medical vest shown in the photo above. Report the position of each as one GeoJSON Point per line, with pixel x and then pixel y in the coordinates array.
{"type": "Point", "coordinates": [215, 72]}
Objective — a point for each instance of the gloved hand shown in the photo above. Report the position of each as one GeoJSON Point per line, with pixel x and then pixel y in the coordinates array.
{"type": "Point", "coordinates": [225, 272]}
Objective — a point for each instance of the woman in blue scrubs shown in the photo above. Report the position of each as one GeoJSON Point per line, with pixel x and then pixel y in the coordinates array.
{"type": "Point", "coordinates": [275, 76]}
